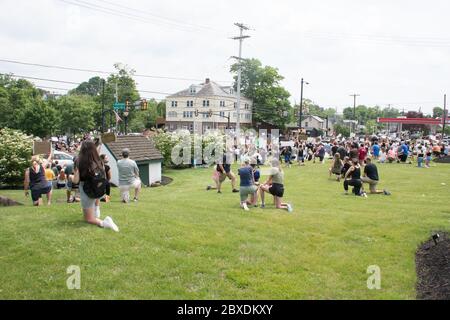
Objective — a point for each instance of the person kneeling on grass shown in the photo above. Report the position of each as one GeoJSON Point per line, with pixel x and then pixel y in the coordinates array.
{"type": "Point", "coordinates": [87, 167]}
{"type": "Point", "coordinates": [371, 177]}
{"type": "Point", "coordinates": [222, 171]}
{"type": "Point", "coordinates": [355, 179]}
{"type": "Point", "coordinates": [128, 177]}
{"type": "Point", "coordinates": [247, 185]}
{"type": "Point", "coordinates": [274, 185]}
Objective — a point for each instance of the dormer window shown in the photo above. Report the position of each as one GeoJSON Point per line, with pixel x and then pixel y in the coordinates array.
{"type": "Point", "coordinates": [193, 90]}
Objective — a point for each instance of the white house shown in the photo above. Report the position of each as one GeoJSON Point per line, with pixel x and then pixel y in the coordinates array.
{"type": "Point", "coordinates": [142, 150]}
{"type": "Point", "coordinates": [206, 106]}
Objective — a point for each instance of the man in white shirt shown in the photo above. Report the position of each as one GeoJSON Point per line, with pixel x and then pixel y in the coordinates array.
{"type": "Point", "coordinates": [128, 177]}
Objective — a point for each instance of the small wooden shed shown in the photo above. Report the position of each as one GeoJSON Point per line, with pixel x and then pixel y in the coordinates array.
{"type": "Point", "coordinates": [142, 150]}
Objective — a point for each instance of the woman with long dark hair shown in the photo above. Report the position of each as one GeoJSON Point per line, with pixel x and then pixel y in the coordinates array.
{"type": "Point", "coordinates": [87, 166]}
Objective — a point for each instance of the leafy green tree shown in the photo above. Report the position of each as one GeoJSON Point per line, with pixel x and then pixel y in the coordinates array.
{"type": "Point", "coordinates": [262, 85]}
{"type": "Point", "coordinates": [342, 129]}
{"type": "Point", "coordinates": [23, 107]}
{"type": "Point", "coordinates": [92, 87]}
{"type": "Point", "coordinates": [438, 112]}
{"type": "Point", "coordinates": [75, 114]}
{"type": "Point", "coordinates": [15, 154]}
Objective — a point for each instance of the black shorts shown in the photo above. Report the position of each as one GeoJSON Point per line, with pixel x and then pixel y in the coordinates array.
{"type": "Point", "coordinates": [37, 193]}
{"type": "Point", "coordinates": [403, 157]}
{"type": "Point", "coordinates": [277, 190]}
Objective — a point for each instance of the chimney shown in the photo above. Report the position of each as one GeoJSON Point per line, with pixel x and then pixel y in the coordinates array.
{"type": "Point", "coordinates": [207, 81]}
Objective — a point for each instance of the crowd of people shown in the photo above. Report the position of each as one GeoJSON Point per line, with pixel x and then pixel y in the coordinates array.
{"type": "Point", "coordinates": [87, 180]}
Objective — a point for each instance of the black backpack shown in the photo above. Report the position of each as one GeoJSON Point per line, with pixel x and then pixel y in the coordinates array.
{"type": "Point", "coordinates": [95, 185]}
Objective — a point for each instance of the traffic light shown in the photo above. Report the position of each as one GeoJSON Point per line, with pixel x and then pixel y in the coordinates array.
{"type": "Point", "coordinates": [196, 112]}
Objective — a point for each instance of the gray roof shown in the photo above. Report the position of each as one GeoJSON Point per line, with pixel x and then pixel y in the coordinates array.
{"type": "Point", "coordinates": [206, 89]}
{"type": "Point", "coordinates": [141, 148]}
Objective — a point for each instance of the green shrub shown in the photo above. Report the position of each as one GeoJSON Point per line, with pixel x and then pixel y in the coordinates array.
{"type": "Point", "coordinates": [15, 153]}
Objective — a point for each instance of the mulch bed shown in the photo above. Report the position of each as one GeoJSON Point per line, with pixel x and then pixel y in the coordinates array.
{"type": "Point", "coordinates": [433, 269]}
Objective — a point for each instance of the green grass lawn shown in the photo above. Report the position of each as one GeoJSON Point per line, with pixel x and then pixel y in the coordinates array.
{"type": "Point", "coordinates": [182, 242]}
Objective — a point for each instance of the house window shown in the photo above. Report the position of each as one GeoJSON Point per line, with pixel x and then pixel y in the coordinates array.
{"type": "Point", "coordinates": [189, 103]}
{"type": "Point", "coordinates": [222, 103]}
{"type": "Point", "coordinates": [191, 127]}
{"type": "Point", "coordinates": [235, 105]}
{"type": "Point", "coordinates": [206, 103]}
{"type": "Point", "coordinates": [172, 114]}
{"type": "Point", "coordinates": [222, 114]}
{"type": "Point", "coordinates": [174, 103]}
{"type": "Point", "coordinates": [193, 90]}
{"type": "Point", "coordinates": [306, 124]}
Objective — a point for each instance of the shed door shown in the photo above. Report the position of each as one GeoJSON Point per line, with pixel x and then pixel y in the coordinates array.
{"type": "Point", "coordinates": [143, 174]}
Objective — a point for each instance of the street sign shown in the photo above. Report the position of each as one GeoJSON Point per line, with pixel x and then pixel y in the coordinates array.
{"type": "Point", "coordinates": [119, 106]}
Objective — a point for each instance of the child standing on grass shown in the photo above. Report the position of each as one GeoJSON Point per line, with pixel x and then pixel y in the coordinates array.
{"type": "Point", "coordinates": [428, 158]}
{"type": "Point", "coordinates": [382, 156]}
{"type": "Point", "coordinates": [336, 167]}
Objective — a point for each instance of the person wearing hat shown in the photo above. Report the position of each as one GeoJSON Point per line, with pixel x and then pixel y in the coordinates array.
{"type": "Point", "coordinates": [128, 177]}
{"type": "Point", "coordinates": [275, 186]}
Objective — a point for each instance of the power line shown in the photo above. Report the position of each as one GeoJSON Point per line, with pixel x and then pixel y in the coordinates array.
{"type": "Point", "coordinates": [157, 16]}
{"type": "Point", "coordinates": [100, 71]}
{"type": "Point", "coordinates": [182, 26]}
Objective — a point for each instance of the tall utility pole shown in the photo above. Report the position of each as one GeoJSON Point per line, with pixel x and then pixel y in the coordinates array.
{"type": "Point", "coordinates": [103, 105]}
{"type": "Point", "coordinates": [354, 108]}
{"type": "Point", "coordinates": [300, 114]}
{"type": "Point", "coordinates": [241, 38]}
{"type": "Point", "coordinates": [444, 116]}
{"type": "Point", "coordinates": [354, 104]}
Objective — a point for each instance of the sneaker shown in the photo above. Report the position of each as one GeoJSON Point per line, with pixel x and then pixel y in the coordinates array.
{"type": "Point", "coordinates": [135, 199]}
{"type": "Point", "coordinates": [263, 206]}
{"type": "Point", "coordinates": [289, 208]}
{"type": "Point", "coordinates": [364, 195]}
{"type": "Point", "coordinates": [386, 193]}
{"type": "Point", "coordinates": [219, 191]}
{"type": "Point", "coordinates": [235, 190]}
{"type": "Point", "coordinates": [108, 223]}
{"type": "Point", "coordinates": [245, 207]}
{"type": "Point", "coordinates": [208, 188]}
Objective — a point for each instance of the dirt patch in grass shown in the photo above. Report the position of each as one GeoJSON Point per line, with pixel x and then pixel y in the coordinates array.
{"type": "Point", "coordinates": [433, 269]}
{"type": "Point", "coordinates": [6, 202]}
{"type": "Point", "coordinates": [164, 182]}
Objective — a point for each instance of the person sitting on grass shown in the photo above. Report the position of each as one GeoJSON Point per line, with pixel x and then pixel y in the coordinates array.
{"type": "Point", "coordinates": [371, 177]}
{"type": "Point", "coordinates": [336, 167]}
{"type": "Point", "coordinates": [353, 178]}
{"type": "Point", "coordinates": [392, 155]}
{"type": "Point", "coordinates": [247, 185]}
{"type": "Point", "coordinates": [275, 186]}
{"type": "Point", "coordinates": [87, 166]}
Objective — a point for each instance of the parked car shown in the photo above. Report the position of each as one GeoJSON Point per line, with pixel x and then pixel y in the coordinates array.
{"type": "Point", "coordinates": [64, 159]}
